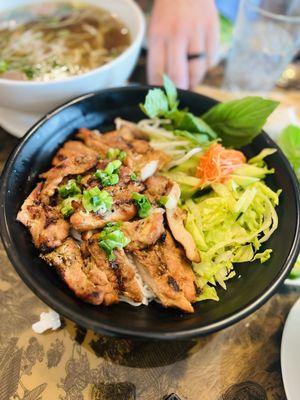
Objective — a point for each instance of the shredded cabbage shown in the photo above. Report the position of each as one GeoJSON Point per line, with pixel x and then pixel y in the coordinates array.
{"type": "Point", "coordinates": [230, 224]}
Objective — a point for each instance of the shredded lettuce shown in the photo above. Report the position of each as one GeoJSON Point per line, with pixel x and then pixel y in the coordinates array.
{"type": "Point", "coordinates": [230, 223]}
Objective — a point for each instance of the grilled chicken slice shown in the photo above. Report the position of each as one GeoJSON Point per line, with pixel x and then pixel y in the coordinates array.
{"type": "Point", "coordinates": [154, 267]}
{"type": "Point", "coordinates": [179, 267]}
{"type": "Point", "coordinates": [69, 263]}
{"type": "Point", "coordinates": [128, 284]}
{"type": "Point", "coordinates": [72, 148]}
{"type": "Point", "coordinates": [48, 229]}
{"type": "Point", "coordinates": [83, 221]}
{"type": "Point", "coordinates": [120, 273]}
{"type": "Point", "coordinates": [70, 166]}
{"type": "Point", "coordinates": [158, 186]}
{"type": "Point", "coordinates": [176, 218]}
{"type": "Point", "coordinates": [144, 232]}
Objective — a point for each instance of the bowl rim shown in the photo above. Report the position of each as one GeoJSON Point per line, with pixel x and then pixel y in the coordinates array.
{"type": "Point", "coordinates": [141, 26]}
{"type": "Point", "coordinates": [98, 326]}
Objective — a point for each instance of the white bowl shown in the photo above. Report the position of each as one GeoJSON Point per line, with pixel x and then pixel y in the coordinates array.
{"type": "Point", "coordinates": [22, 103]}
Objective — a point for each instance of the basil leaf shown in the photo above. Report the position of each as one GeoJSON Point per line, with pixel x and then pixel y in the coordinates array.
{"type": "Point", "coordinates": [171, 92]}
{"type": "Point", "coordinates": [237, 122]}
{"type": "Point", "coordinates": [143, 204]}
{"type": "Point", "coordinates": [156, 104]}
{"type": "Point", "coordinates": [197, 138]}
{"type": "Point", "coordinates": [186, 121]}
{"type": "Point", "coordinates": [289, 141]}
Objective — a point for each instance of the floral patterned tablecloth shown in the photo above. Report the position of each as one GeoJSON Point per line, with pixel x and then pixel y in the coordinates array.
{"type": "Point", "coordinates": [239, 363]}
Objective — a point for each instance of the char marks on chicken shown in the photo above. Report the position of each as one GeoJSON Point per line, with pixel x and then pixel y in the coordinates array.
{"type": "Point", "coordinates": [110, 254]}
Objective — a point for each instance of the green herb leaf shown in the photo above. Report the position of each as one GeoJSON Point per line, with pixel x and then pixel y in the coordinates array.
{"type": "Point", "coordinates": [289, 141]}
{"type": "Point", "coordinates": [112, 238]}
{"type": "Point", "coordinates": [109, 176]}
{"type": "Point", "coordinates": [113, 166]}
{"type": "Point", "coordinates": [186, 121]}
{"type": "Point", "coordinates": [66, 205]}
{"type": "Point", "coordinates": [143, 204]}
{"type": "Point", "coordinates": [112, 153]}
{"type": "Point", "coordinates": [133, 176]}
{"type": "Point", "coordinates": [171, 92]}
{"type": "Point", "coordinates": [163, 200]}
{"type": "Point", "coordinates": [3, 66]}
{"type": "Point", "coordinates": [70, 189]}
{"type": "Point", "coordinates": [237, 122]}
{"type": "Point", "coordinates": [96, 200]}
{"type": "Point", "coordinates": [197, 138]}
{"type": "Point", "coordinates": [78, 178]}
{"type": "Point", "coordinates": [156, 103]}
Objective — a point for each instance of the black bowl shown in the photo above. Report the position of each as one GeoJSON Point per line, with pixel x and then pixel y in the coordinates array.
{"type": "Point", "coordinates": [256, 282]}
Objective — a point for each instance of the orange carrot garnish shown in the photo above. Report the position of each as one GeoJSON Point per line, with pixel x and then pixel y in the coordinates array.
{"type": "Point", "coordinates": [218, 163]}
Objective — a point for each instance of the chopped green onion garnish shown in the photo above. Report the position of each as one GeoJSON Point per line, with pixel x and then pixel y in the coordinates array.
{"type": "Point", "coordinates": [96, 200]}
{"type": "Point", "coordinates": [109, 176]}
{"type": "Point", "coordinates": [133, 176]}
{"type": "Point", "coordinates": [143, 204]}
{"type": "Point", "coordinates": [78, 178]}
{"type": "Point", "coordinates": [66, 205]}
{"type": "Point", "coordinates": [112, 238]}
{"type": "Point", "coordinates": [70, 189]}
{"type": "Point", "coordinates": [113, 154]}
{"type": "Point", "coordinates": [163, 200]}
{"type": "Point", "coordinates": [122, 155]}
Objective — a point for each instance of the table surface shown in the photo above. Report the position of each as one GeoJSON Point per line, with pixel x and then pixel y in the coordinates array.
{"type": "Point", "coordinates": [239, 363]}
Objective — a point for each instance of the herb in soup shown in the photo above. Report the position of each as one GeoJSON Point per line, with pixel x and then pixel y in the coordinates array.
{"type": "Point", "coordinates": [50, 41]}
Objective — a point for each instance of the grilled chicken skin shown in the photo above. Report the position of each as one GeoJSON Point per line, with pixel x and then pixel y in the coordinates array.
{"type": "Point", "coordinates": [120, 272]}
{"type": "Point", "coordinates": [71, 166]}
{"type": "Point", "coordinates": [83, 277]}
{"type": "Point", "coordinates": [46, 225]}
{"type": "Point", "coordinates": [158, 186]}
{"type": "Point", "coordinates": [154, 265]}
{"type": "Point", "coordinates": [144, 232]}
{"type": "Point", "coordinates": [72, 148]}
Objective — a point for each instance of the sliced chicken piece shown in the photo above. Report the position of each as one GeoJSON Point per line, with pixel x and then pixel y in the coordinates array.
{"type": "Point", "coordinates": [153, 160]}
{"type": "Point", "coordinates": [71, 166]}
{"type": "Point", "coordinates": [46, 225]}
{"type": "Point", "coordinates": [93, 140]}
{"type": "Point", "coordinates": [144, 232]}
{"type": "Point", "coordinates": [120, 273]}
{"type": "Point", "coordinates": [156, 187]}
{"type": "Point", "coordinates": [83, 221]}
{"type": "Point", "coordinates": [176, 218]}
{"type": "Point", "coordinates": [153, 267]}
{"type": "Point", "coordinates": [131, 127]}
{"type": "Point", "coordinates": [179, 267]}
{"type": "Point", "coordinates": [128, 282]}
{"type": "Point", "coordinates": [69, 263]}
{"type": "Point", "coordinates": [72, 148]}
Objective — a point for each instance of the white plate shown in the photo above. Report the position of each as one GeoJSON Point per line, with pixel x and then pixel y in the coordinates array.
{"type": "Point", "coordinates": [290, 353]}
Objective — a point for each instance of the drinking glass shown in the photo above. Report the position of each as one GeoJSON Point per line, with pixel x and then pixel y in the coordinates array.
{"type": "Point", "coordinates": [266, 38]}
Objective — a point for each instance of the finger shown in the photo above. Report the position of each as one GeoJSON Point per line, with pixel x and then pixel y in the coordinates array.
{"type": "Point", "coordinates": [212, 43]}
{"type": "Point", "coordinates": [197, 66]}
{"type": "Point", "coordinates": [156, 61]}
{"type": "Point", "coordinates": [177, 64]}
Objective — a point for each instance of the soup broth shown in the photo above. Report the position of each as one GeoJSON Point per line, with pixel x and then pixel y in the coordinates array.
{"type": "Point", "coordinates": [50, 41]}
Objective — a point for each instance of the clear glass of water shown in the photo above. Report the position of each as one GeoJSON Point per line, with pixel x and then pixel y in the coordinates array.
{"type": "Point", "coordinates": [266, 38]}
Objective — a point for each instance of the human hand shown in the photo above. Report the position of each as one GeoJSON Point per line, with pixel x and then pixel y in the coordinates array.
{"type": "Point", "coordinates": [179, 28]}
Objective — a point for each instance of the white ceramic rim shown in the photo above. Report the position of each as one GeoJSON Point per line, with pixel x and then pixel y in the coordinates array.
{"type": "Point", "coordinates": [269, 14]}
{"type": "Point", "coordinates": [138, 14]}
